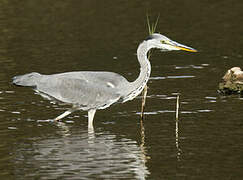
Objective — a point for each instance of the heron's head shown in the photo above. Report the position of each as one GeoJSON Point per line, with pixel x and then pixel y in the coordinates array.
{"type": "Point", "coordinates": [159, 41]}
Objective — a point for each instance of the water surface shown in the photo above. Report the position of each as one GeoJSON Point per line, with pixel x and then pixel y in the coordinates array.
{"type": "Point", "coordinates": [59, 36]}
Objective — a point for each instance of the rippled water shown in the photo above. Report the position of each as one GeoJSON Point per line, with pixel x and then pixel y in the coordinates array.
{"type": "Point", "coordinates": [59, 36]}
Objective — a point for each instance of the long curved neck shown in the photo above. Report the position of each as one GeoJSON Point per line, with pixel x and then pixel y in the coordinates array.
{"type": "Point", "coordinates": [145, 69]}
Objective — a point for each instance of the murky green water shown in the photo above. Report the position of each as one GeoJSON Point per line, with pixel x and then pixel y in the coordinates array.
{"type": "Point", "coordinates": [59, 36]}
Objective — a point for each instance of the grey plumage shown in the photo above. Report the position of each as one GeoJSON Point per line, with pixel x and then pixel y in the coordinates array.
{"type": "Point", "coordinates": [89, 91]}
{"type": "Point", "coordinates": [27, 79]}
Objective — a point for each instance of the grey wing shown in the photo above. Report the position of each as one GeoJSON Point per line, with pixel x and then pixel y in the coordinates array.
{"type": "Point", "coordinates": [109, 79]}
{"type": "Point", "coordinates": [80, 92]}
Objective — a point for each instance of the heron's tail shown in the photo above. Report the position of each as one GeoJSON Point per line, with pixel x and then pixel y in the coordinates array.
{"type": "Point", "coordinates": [27, 79]}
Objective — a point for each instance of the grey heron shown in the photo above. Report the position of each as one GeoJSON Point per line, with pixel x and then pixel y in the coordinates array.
{"type": "Point", "coordinates": [90, 90]}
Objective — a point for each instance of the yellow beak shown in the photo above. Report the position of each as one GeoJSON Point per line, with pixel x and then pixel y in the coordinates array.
{"type": "Point", "coordinates": [186, 49]}
{"type": "Point", "coordinates": [182, 47]}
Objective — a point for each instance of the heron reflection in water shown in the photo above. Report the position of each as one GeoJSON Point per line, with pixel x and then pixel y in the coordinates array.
{"type": "Point", "coordinates": [89, 90]}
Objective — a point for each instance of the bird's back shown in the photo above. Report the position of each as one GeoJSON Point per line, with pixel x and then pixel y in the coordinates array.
{"type": "Point", "coordinates": [86, 89]}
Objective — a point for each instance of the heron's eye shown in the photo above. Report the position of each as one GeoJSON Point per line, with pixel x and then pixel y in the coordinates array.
{"type": "Point", "coordinates": [163, 41]}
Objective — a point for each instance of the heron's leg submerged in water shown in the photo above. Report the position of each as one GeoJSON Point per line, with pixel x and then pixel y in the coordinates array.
{"type": "Point", "coordinates": [65, 114]}
{"type": "Point", "coordinates": [91, 114]}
